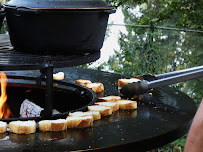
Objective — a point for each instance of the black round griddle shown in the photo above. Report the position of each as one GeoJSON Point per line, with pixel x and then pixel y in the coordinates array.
{"type": "Point", "coordinates": [143, 129]}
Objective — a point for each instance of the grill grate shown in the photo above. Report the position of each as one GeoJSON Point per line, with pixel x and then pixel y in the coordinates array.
{"type": "Point", "coordinates": [10, 59]}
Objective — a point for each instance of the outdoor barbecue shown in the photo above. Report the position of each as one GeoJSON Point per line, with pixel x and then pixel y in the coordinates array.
{"type": "Point", "coordinates": [48, 104]}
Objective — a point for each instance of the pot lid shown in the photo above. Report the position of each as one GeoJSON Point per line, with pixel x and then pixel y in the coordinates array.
{"type": "Point", "coordinates": [60, 4]}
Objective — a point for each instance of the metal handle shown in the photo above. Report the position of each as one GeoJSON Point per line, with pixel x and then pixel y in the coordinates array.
{"type": "Point", "coordinates": [142, 87]}
{"type": "Point", "coordinates": [164, 75]}
{"type": "Point", "coordinates": [28, 10]}
{"type": "Point", "coordinates": [189, 75]}
{"type": "Point", "coordinates": [18, 11]}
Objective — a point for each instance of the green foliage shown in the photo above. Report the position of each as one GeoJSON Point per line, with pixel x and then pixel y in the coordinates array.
{"type": "Point", "coordinates": [132, 47]}
{"type": "Point", "coordinates": [176, 13]}
{"type": "Point", "coordinates": [4, 28]}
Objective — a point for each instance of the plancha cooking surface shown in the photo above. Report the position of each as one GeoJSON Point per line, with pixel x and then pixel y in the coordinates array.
{"type": "Point", "coordinates": [143, 129]}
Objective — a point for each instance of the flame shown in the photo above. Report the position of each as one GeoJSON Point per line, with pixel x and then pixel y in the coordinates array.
{"type": "Point", "coordinates": [4, 109]}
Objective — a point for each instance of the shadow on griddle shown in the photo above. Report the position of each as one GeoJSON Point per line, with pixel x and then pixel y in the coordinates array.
{"type": "Point", "coordinates": [3, 135]}
{"type": "Point", "coordinates": [22, 138]}
{"type": "Point", "coordinates": [52, 136]}
{"type": "Point", "coordinates": [79, 133]}
{"type": "Point", "coordinates": [116, 117]}
{"type": "Point", "coordinates": [128, 113]}
{"type": "Point", "coordinates": [70, 133]}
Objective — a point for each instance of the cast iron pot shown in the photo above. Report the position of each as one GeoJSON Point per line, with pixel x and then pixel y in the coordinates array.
{"type": "Point", "coordinates": [2, 14]}
{"type": "Point", "coordinates": [57, 26]}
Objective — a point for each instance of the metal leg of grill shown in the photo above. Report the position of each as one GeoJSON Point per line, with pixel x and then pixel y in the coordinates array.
{"type": "Point", "coordinates": [48, 71]}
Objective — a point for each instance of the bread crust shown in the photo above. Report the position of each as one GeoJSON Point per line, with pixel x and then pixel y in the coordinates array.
{"type": "Point", "coordinates": [83, 82]}
{"type": "Point", "coordinates": [96, 87]}
{"type": "Point", "coordinates": [85, 123]}
{"type": "Point", "coordinates": [44, 125]}
{"type": "Point", "coordinates": [122, 82]}
{"type": "Point", "coordinates": [53, 125]}
{"type": "Point", "coordinates": [22, 128]}
{"type": "Point", "coordinates": [104, 111]}
{"type": "Point", "coordinates": [79, 122]}
{"type": "Point", "coordinates": [113, 105]}
{"type": "Point", "coordinates": [3, 127]}
{"type": "Point", "coordinates": [58, 126]}
{"type": "Point", "coordinates": [95, 114]}
{"type": "Point", "coordinates": [127, 104]}
{"type": "Point", "coordinates": [110, 98]}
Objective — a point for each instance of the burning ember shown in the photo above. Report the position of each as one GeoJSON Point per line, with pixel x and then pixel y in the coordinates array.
{"type": "Point", "coordinates": [4, 109]}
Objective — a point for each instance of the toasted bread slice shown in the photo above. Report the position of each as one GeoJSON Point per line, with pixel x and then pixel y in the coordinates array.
{"type": "Point", "coordinates": [103, 110]}
{"type": "Point", "coordinates": [127, 104]}
{"type": "Point", "coordinates": [3, 126]}
{"type": "Point", "coordinates": [79, 122]}
{"type": "Point", "coordinates": [22, 127]}
{"type": "Point", "coordinates": [59, 76]}
{"type": "Point", "coordinates": [110, 98]}
{"type": "Point", "coordinates": [52, 125]}
{"type": "Point", "coordinates": [113, 105]}
{"type": "Point", "coordinates": [95, 114]}
{"type": "Point", "coordinates": [122, 82]}
{"type": "Point", "coordinates": [96, 87]}
{"type": "Point", "coordinates": [83, 82]}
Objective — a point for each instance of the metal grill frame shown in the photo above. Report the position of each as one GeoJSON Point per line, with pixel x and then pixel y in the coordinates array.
{"type": "Point", "coordinates": [10, 59]}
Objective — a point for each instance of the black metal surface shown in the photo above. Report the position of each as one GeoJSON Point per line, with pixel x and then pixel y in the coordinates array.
{"type": "Point", "coordinates": [56, 4]}
{"type": "Point", "coordinates": [13, 60]}
{"type": "Point", "coordinates": [63, 93]}
{"type": "Point", "coordinates": [49, 93]}
{"type": "Point", "coordinates": [39, 31]}
{"type": "Point", "coordinates": [143, 129]}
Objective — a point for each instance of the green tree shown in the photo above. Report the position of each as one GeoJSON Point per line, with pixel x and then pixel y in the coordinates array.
{"type": "Point", "coordinates": [176, 13]}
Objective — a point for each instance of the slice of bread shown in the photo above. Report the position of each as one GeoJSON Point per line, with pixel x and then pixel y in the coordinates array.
{"type": "Point", "coordinates": [103, 110]}
{"type": "Point", "coordinates": [96, 87]}
{"type": "Point", "coordinates": [95, 114]}
{"type": "Point", "coordinates": [79, 122]}
{"type": "Point", "coordinates": [127, 104]}
{"type": "Point", "coordinates": [110, 98]}
{"type": "Point", "coordinates": [22, 127]}
{"type": "Point", "coordinates": [44, 125]}
{"type": "Point", "coordinates": [3, 126]}
{"type": "Point", "coordinates": [83, 82]}
{"type": "Point", "coordinates": [53, 125]}
{"type": "Point", "coordinates": [59, 76]}
{"type": "Point", "coordinates": [113, 105]}
{"type": "Point", "coordinates": [122, 82]}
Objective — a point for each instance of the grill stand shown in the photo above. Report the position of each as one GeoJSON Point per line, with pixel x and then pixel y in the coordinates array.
{"type": "Point", "coordinates": [14, 60]}
{"type": "Point", "coordinates": [47, 72]}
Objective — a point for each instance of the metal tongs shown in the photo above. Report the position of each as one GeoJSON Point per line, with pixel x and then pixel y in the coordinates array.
{"type": "Point", "coordinates": [143, 86]}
